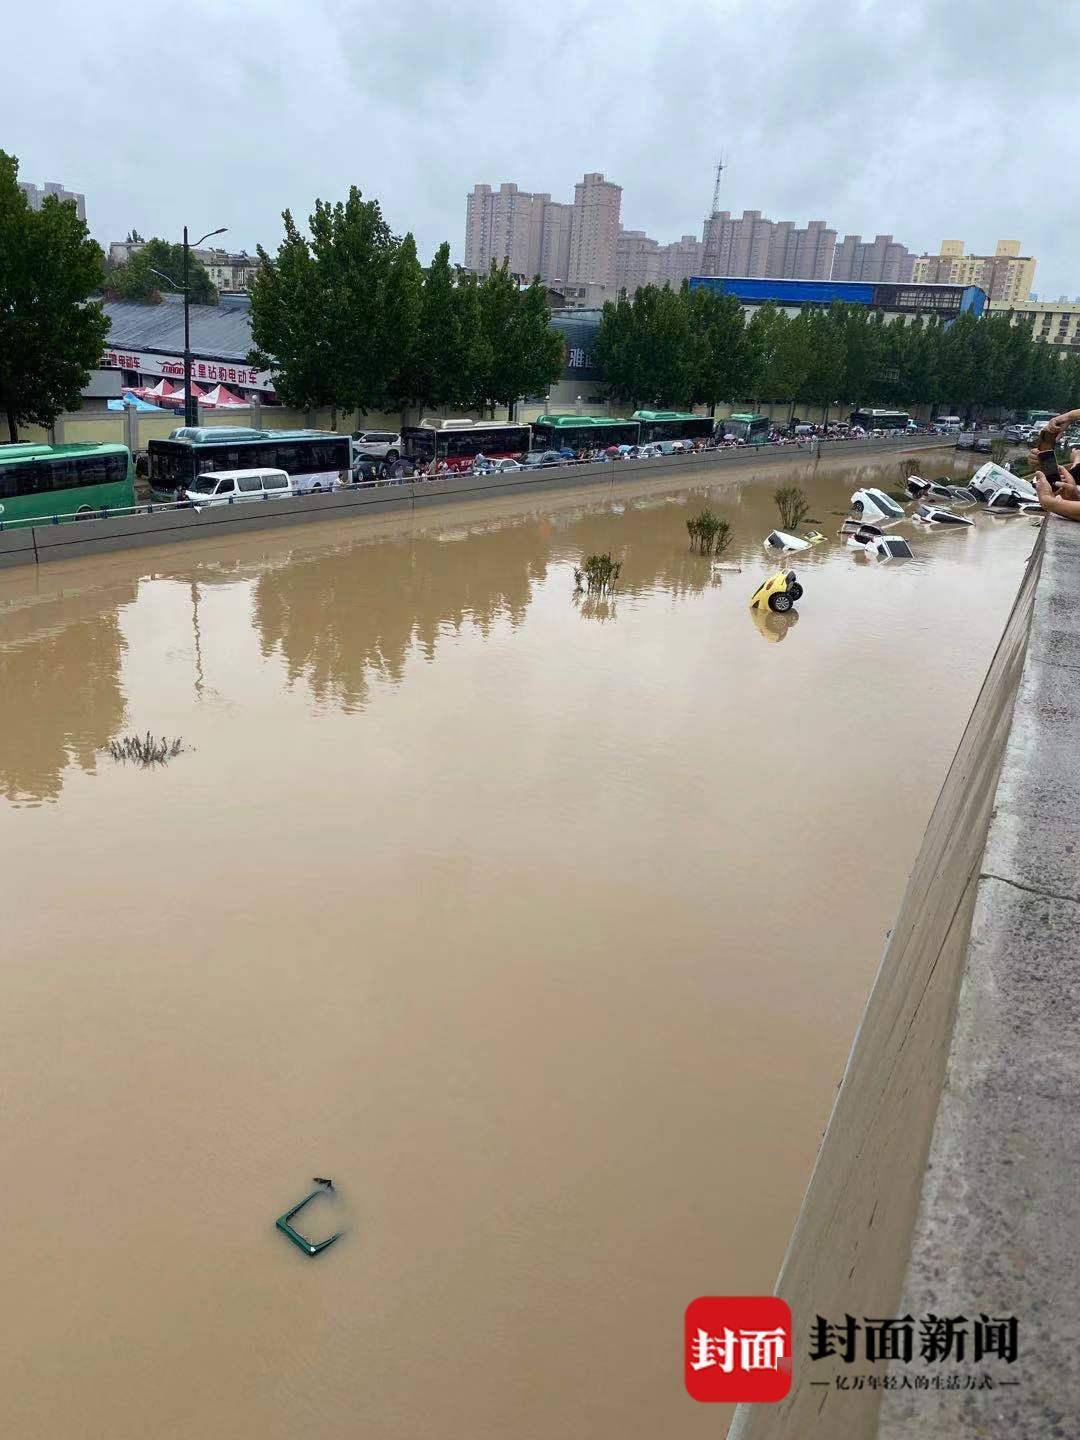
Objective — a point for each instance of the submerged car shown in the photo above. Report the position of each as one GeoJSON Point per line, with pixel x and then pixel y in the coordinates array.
{"type": "Point", "coordinates": [991, 477]}
{"type": "Point", "coordinates": [1007, 502]}
{"type": "Point", "coordinates": [875, 506]}
{"type": "Point", "coordinates": [781, 540]}
{"type": "Point", "coordinates": [778, 593]}
{"type": "Point", "coordinates": [872, 541]}
{"type": "Point", "coordinates": [931, 515]}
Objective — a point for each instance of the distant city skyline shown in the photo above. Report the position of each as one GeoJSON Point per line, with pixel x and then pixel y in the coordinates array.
{"type": "Point", "coordinates": [585, 249]}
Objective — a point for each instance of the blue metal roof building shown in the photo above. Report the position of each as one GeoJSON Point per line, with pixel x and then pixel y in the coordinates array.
{"type": "Point", "coordinates": [948, 301]}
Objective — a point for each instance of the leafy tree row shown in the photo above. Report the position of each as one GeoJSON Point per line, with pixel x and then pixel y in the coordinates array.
{"type": "Point", "coordinates": [51, 331]}
{"type": "Point", "coordinates": [690, 347]}
{"type": "Point", "coordinates": [347, 317]}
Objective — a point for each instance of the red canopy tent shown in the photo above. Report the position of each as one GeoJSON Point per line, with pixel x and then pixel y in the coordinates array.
{"type": "Point", "coordinates": [220, 398]}
{"type": "Point", "coordinates": [177, 397]}
{"type": "Point", "coordinates": [163, 390]}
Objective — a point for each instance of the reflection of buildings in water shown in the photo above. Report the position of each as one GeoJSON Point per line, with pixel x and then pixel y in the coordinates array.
{"type": "Point", "coordinates": [772, 627]}
{"type": "Point", "coordinates": [340, 617]}
{"type": "Point", "coordinates": [60, 694]}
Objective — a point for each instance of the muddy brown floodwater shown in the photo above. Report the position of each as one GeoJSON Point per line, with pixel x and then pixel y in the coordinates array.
{"type": "Point", "coordinates": [540, 925]}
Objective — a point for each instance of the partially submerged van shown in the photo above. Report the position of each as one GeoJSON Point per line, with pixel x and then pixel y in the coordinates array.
{"type": "Point", "coordinates": [227, 487]}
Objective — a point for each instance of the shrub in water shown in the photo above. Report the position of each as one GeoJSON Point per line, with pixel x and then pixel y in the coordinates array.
{"type": "Point", "coordinates": [145, 750]}
{"type": "Point", "coordinates": [793, 505]}
{"type": "Point", "coordinates": [709, 535]}
{"type": "Point", "coordinates": [599, 573]}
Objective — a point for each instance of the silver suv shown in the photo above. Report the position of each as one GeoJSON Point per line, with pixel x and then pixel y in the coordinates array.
{"type": "Point", "coordinates": [376, 445]}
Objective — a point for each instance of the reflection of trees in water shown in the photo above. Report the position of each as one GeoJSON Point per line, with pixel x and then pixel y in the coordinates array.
{"type": "Point", "coordinates": [653, 545]}
{"type": "Point", "coordinates": [60, 695]}
{"type": "Point", "coordinates": [338, 618]}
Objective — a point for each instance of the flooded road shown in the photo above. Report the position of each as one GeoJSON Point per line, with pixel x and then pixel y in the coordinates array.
{"type": "Point", "coordinates": [542, 925]}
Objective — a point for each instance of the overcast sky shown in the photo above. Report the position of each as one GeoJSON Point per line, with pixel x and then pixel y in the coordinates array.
{"type": "Point", "coordinates": [929, 119]}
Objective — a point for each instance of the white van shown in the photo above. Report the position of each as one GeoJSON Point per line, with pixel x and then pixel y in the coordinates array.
{"type": "Point", "coordinates": [224, 487]}
{"type": "Point", "coordinates": [948, 422]}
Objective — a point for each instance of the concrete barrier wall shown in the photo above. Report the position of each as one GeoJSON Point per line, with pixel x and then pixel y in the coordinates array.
{"type": "Point", "coordinates": [850, 1249]}
{"type": "Point", "coordinates": [89, 537]}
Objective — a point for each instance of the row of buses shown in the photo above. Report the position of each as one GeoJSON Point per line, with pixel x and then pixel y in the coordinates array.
{"type": "Point", "coordinates": [52, 482]}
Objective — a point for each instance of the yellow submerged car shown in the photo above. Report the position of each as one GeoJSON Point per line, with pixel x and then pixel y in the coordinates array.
{"type": "Point", "coordinates": [778, 593]}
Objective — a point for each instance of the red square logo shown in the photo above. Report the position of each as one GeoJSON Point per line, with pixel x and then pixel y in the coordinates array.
{"type": "Point", "coordinates": [738, 1347]}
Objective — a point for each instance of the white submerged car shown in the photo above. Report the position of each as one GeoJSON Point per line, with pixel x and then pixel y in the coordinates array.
{"type": "Point", "coordinates": [875, 507]}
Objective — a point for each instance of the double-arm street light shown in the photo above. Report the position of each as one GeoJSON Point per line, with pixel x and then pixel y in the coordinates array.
{"type": "Point", "coordinates": [191, 410]}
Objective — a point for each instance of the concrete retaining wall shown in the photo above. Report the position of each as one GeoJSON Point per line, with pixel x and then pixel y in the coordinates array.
{"type": "Point", "coordinates": [945, 1183]}
{"type": "Point", "coordinates": [40, 543]}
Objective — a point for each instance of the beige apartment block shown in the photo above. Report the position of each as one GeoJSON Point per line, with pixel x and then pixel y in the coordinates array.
{"type": "Point", "coordinates": [1055, 321]}
{"type": "Point", "coordinates": [1006, 275]}
{"type": "Point", "coordinates": [595, 231]}
{"type": "Point", "coordinates": [504, 224]}
{"type": "Point", "coordinates": [538, 236]}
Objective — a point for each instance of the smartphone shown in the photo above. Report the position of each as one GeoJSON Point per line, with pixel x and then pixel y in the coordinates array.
{"type": "Point", "coordinates": [1049, 466]}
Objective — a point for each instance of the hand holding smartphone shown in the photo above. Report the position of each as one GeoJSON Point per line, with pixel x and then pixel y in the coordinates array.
{"type": "Point", "coordinates": [1047, 456]}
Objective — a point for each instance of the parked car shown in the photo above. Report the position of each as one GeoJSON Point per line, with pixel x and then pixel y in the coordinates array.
{"type": "Point", "coordinates": [982, 444]}
{"type": "Point", "coordinates": [965, 440]}
{"type": "Point", "coordinates": [227, 487]}
{"type": "Point", "coordinates": [376, 445]}
{"type": "Point", "coordinates": [542, 460]}
{"type": "Point", "coordinates": [1015, 434]}
{"type": "Point", "coordinates": [366, 472]}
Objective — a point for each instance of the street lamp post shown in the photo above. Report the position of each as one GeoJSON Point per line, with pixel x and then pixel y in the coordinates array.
{"type": "Point", "coordinates": [191, 410]}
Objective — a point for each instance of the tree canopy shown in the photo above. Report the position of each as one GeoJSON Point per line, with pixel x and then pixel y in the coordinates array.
{"type": "Point", "coordinates": [51, 332]}
{"type": "Point", "coordinates": [135, 279]}
{"type": "Point", "coordinates": [350, 319]}
{"type": "Point", "coordinates": [695, 347]}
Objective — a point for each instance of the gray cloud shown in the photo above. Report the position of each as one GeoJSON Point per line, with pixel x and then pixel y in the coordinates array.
{"type": "Point", "coordinates": [929, 120]}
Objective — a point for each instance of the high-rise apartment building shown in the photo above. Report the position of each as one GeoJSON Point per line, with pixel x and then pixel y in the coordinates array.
{"type": "Point", "coordinates": [1006, 275]}
{"type": "Point", "coordinates": [538, 236]}
{"type": "Point", "coordinates": [640, 260]}
{"type": "Point", "coordinates": [504, 224]}
{"type": "Point", "coordinates": [35, 195]}
{"type": "Point", "coordinates": [1055, 321]}
{"type": "Point", "coordinates": [555, 243]}
{"type": "Point", "coordinates": [882, 260]}
{"type": "Point", "coordinates": [754, 246]}
{"type": "Point", "coordinates": [595, 231]}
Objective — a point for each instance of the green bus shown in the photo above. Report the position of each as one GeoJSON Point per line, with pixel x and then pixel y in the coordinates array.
{"type": "Point", "coordinates": [674, 425]}
{"type": "Point", "coordinates": [582, 432]}
{"type": "Point", "coordinates": [750, 429]}
{"type": "Point", "coordinates": [51, 482]}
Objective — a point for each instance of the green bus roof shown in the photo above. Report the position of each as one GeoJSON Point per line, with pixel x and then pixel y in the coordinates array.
{"type": "Point", "coordinates": [667, 415]}
{"type": "Point", "coordinates": [571, 422]}
{"type": "Point", "coordinates": [32, 451]}
{"type": "Point", "coordinates": [745, 415]}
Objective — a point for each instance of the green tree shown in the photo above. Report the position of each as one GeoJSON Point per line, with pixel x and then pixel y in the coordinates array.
{"type": "Point", "coordinates": [291, 323]}
{"type": "Point", "coordinates": [352, 249]}
{"type": "Point", "coordinates": [404, 308]}
{"type": "Point", "coordinates": [51, 332]}
{"type": "Point", "coordinates": [765, 336]}
{"type": "Point", "coordinates": [720, 354]}
{"type": "Point", "coordinates": [614, 350]}
{"type": "Point", "coordinates": [135, 279]}
{"type": "Point", "coordinates": [523, 355]}
{"type": "Point", "coordinates": [441, 342]}
{"type": "Point", "coordinates": [827, 359]}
